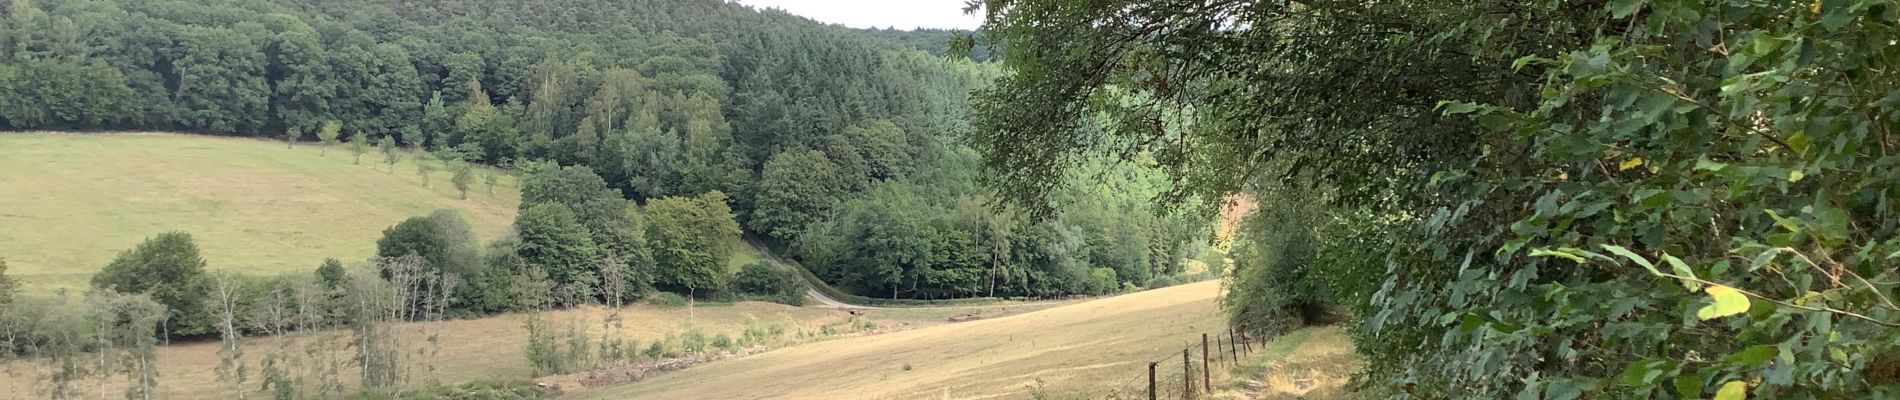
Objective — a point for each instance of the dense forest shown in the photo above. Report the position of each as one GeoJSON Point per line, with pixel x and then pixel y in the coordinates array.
{"type": "Point", "coordinates": [843, 147]}
{"type": "Point", "coordinates": [1510, 199]}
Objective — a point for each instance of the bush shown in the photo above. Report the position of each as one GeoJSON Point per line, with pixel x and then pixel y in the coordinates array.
{"type": "Point", "coordinates": [722, 342]}
{"type": "Point", "coordinates": [1103, 281]}
{"type": "Point", "coordinates": [693, 342]}
{"type": "Point", "coordinates": [762, 281]}
{"type": "Point", "coordinates": [667, 300]}
{"type": "Point", "coordinates": [1164, 281]}
{"type": "Point", "coordinates": [657, 350]}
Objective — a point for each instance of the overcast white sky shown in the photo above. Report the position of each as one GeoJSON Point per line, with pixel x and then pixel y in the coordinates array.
{"type": "Point", "coordinates": [903, 14]}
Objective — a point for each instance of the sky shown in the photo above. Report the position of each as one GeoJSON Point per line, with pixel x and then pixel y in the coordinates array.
{"type": "Point", "coordinates": [902, 14]}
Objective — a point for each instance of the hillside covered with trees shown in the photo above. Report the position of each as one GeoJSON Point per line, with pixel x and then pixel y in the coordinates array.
{"type": "Point", "coordinates": [639, 128]}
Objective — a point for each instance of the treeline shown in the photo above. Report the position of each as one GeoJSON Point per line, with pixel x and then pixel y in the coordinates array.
{"type": "Point", "coordinates": [796, 126]}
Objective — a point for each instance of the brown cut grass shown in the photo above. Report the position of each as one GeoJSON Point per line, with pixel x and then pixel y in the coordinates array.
{"type": "Point", "coordinates": [478, 349]}
{"type": "Point", "coordinates": [1086, 349]}
{"type": "Point", "coordinates": [1310, 363]}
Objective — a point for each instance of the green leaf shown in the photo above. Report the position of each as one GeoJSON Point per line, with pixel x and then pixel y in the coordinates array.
{"type": "Point", "coordinates": [1641, 373]}
{"type": "Point", "coordinates": [1522, 61]}
{"type": "Point", "coordinates": [1753, 355]}
{"type": "Point", "coordinates": [1762, 260]}
{"type": "Point", "coordinates": [1623, 8]}
{"type": "Point", "coordinates": [1728, 301]}
{"type": "Point", "coordinates": [1705, 164]}
{"type": "Point", "coordinates": [1689, 386]}
{"type": "Point", "coordinates": [1733, 390]}
{"type": "Point", "coordinates": [1559, 254]}
{"type": "Point", "coordinates": [1682, 269]}
{"type": "Point", "coordinates": [1626, 253]}
{"type": "Point", "coordinates": [1456, 107]}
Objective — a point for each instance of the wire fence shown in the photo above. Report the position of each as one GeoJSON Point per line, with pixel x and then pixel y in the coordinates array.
{"type": "Point", "coordinates": [1186, 374]}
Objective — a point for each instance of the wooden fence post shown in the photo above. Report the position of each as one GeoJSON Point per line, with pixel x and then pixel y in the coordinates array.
{"type": "Point", "coordinates": [1151, 380]}
{"type": "Point", "coordinates": [1207, 380]}
{"type": "Point", "coordinates": [1187, 375]}
{"type": "Point", "coordinates": [1233, 346]}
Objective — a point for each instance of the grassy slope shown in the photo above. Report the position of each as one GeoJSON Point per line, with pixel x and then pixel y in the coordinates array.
{"type": "Point", "coordinates": [1081, 348]}
{"type": "Point", "coordinates": [69, 203]}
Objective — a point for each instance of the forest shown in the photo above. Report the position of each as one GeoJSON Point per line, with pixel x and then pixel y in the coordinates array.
{"type": "Point", "coordinates": [813, 137]}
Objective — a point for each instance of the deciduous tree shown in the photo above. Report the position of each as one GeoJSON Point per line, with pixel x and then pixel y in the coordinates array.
{"type": "Point", "coordinates": [168, 268]}
{"type": "Point", "coordinates": [690, 239]}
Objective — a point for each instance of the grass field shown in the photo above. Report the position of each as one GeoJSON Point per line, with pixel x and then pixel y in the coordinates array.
{"type": "Point", "coordinates": [69, 203]}
{"type": "Point", "coordinates": [1082, 348]}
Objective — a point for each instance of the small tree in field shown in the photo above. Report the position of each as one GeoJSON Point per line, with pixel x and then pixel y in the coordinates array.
{"type": "Point", "coordinates": [327, 135]}
{"type": "Point", "coordinates": [464, 177]}
{"type": "Point", "coordinates": [123, 341]}
{"type": "Point", "coordinates": [226, 289]}
{"type": "Point", "coordinates": [490, 180]}
{"type": "Point", "coordinates": [390, 155]}
{"type": "Point", "coordinates": [290, 137]}
{"type": "Point", "coordinates": [7, 285]}
{"type": "Point", "coordinates": [359, 144]}
{"type": "Point", "coordinates": [423, 168]}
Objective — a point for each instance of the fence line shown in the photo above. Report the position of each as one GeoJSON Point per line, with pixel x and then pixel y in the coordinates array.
{"type": "Point", "coordinates": [1164, 384]}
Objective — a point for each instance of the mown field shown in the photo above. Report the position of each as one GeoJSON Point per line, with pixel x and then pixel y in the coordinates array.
{"type": "Point", "coordinates": [1078, 350]}
{"type": "Point", "coordinates": [490, 348]}
{"type": "Point", "coordinates": [69, 203]}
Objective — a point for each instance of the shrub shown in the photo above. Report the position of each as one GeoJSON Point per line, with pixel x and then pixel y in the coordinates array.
{"type": "Point", "coordinates": [1102, 281]}
{"type": "Point", "coordinates": [762, 281]}
{"type": "Point", "coordinates": [667, 300]}
{"type": "Point", "coordinates": [657, 350]}
{"type": "Point", "coordinates": [693, 342]}
{"type": "Point", "coordinates": [1164, 281]}
{"type": "Point", "coordinates": [722, 342]}
{"type": "Point", "coordinates": [7, 285]}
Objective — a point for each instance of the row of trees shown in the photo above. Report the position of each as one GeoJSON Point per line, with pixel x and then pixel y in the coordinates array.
{"type": "Point", "coordinates": [1623, 199]}
{"type": "Point", "coordinates": [159, 290]}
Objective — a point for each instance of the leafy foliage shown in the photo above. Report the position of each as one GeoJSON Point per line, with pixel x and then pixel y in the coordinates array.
{"type": "Point", "coordinates": [168, 269]}
{"type": "Point", "coordinates": [690, 238]}
{"type": "Point", "coordinates": [1566, 200]}
{"type": "Point", "coordinates": [443, 238]}
{"type": "Point", "coordinates": [553, 241]}
{"type": "Point", "coordinates": [764, 281]}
